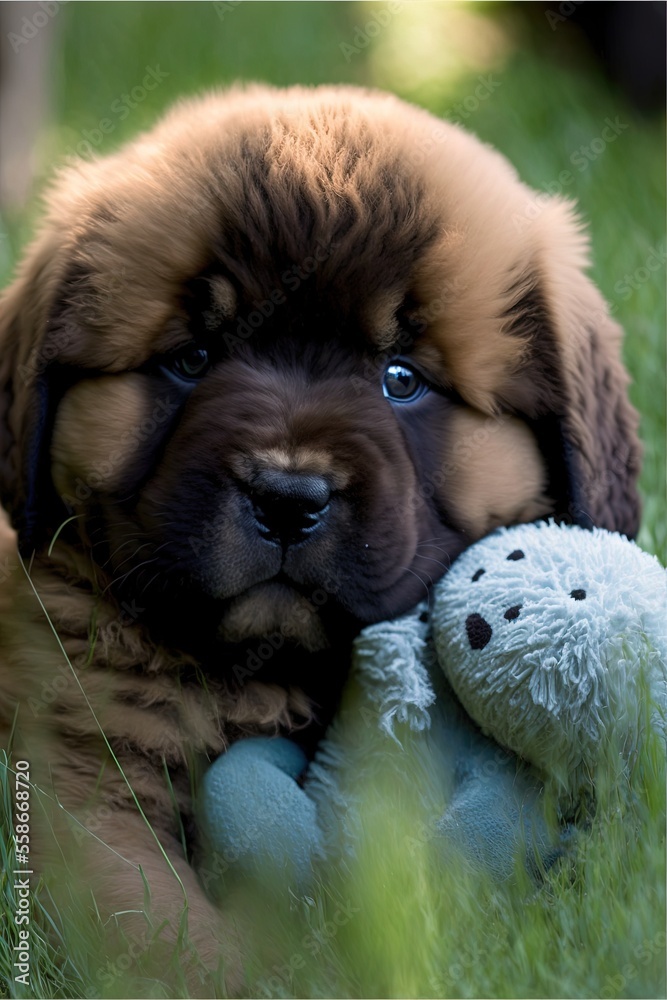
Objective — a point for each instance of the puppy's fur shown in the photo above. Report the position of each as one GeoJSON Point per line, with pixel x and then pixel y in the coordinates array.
{"type": "Point", "coordinates": [306, 240]}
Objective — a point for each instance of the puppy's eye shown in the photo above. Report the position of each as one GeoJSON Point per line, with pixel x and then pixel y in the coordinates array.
{"type": "Point", "coordinates": [190, 362]}
{"type": "Point", "coordinates": [402, 384]}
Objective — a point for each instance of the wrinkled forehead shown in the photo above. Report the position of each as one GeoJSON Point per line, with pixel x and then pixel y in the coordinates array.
{"type": "Point", "coordinates": [264, 228]}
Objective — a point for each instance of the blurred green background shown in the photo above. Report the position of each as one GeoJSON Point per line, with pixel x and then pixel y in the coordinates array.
{"type": "Point", "coordinates": [524, 78]}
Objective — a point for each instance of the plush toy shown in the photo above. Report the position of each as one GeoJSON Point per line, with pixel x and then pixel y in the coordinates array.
{"type": "Point", "coordinates": [554, 641]}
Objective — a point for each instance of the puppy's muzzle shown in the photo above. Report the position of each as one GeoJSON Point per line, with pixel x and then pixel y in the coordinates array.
{"type": "Point", "coordinates": [287, 507]}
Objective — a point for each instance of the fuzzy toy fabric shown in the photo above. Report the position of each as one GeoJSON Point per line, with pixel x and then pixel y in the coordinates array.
{"type": "Point", "coordinates": [256, 815]}
{"type": "Point", "coordinates": [554, 640]}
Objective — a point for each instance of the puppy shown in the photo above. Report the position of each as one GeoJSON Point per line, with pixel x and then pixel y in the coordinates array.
{"type": "Point", "coordinates": [264, 374]}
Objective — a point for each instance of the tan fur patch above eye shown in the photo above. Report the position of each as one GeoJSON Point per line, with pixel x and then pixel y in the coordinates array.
{"type": "Point", "coordinates": [224, 297]}
{"type": "Point", "coordinates": [380, 319]}
{"type": "Point", "coordinates": [98, 425]}
{"type": "Point", "coordinates": [494, 473]}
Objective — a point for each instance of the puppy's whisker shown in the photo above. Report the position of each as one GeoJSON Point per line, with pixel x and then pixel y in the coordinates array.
{"type": "Point", "coordinates": [118, 580]}
{"type": "Point", "coordinates": [134, 569]}
{"type": "Point", "coordinates": [445, 566]}
{"type": "Point", "coordinates": [131, 555]}
{"type": "Point", "coordinates": [440, 549]}
{"type": "Point", "coordinates": [132, 539]}
{"type": "Point", "coordinates": [425, 585]}
{"type": "Point", "coordinates": [127, 540]}
{"type": "Point", "coordinates": [147, 586]}
{"type": "Point", "coordinates": [433, 545]}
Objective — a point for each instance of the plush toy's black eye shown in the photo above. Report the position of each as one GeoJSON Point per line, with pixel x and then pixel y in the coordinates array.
{"type": "Point", "coordinates": [190, 362]}
{"type": "Point", "coordinates": [478, 630]}
{"type": "Point", "coordinates": [578, 595]}
{"type": "Point", "coordinates": [512, 612]}
{"type": "Point", "coordinates": [401, 384]}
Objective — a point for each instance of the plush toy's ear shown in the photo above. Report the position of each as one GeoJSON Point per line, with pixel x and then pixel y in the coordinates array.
{"type": "Point", "coordinates": [574, 384]}
{"type": "Point", "coordinates": [28, 350]}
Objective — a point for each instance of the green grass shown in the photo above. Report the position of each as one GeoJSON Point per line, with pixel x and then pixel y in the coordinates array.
{"type": "Point", "coordinates": [402, 921]}
{"type": "Point", "coordinates": [53, 966]}
{"type": "Point", "coordinates": [396, 924]}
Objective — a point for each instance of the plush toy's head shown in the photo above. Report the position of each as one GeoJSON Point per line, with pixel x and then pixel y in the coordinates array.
{"type": "Point", "coordinates": [555, 641]}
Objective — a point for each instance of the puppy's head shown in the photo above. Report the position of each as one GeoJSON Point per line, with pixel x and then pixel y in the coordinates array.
{"type": "Point", "coordinates": [285, 356]}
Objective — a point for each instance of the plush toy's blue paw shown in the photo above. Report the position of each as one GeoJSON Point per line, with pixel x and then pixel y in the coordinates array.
{"type": "Point", "coordinates": [254, 814]}
{"type": "Point", "coordinates": [498, 821]}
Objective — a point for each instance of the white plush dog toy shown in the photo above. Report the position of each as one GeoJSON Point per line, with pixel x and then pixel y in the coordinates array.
{"type": "Point", "coordinates": [554, 640]}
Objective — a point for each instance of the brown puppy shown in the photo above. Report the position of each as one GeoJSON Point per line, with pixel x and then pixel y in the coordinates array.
{"type": "Point", "coordinates": [279, 361]}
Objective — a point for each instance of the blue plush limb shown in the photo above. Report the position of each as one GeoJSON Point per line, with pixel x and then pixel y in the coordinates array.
{"type": "Point", "coordinates": [491, 807]}
{"type": "Point", "coordinates": [255, 816]}
{"type": "Point", "coordinates": [496, 818]}
{"type": "Point", "coordinates": [490, 824]}
{"type": "Point", "coordinates": [496, 810]}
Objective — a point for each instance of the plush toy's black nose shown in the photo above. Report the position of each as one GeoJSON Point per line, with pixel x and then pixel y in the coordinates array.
{"type": "Point", "coordinates": [288, 506]}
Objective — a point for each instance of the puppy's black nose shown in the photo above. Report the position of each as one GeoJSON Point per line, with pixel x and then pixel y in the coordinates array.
{"type": "Point", "coordinates": [288, 505]}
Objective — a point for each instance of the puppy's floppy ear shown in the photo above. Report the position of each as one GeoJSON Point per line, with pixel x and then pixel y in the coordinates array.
{"type": "Point", "coordinates": [27, 349]}
{"type": "Point", "coordinates": [573, 370]}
